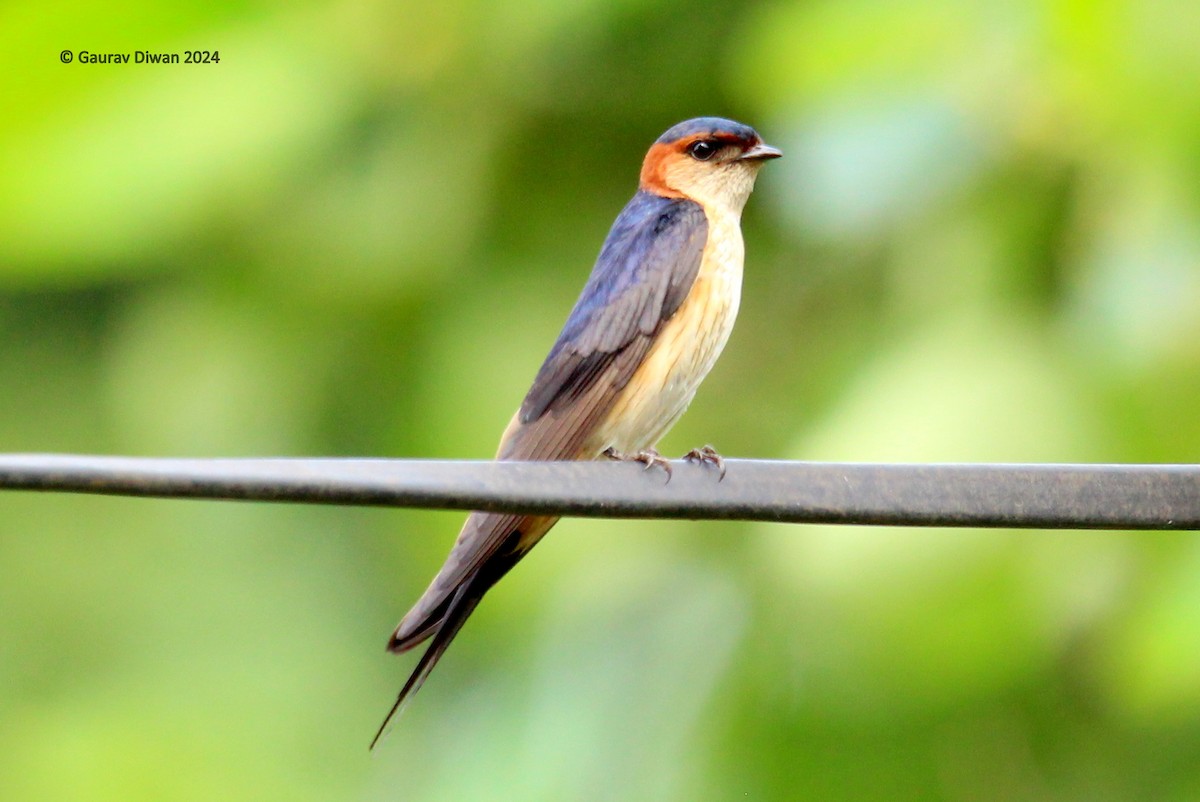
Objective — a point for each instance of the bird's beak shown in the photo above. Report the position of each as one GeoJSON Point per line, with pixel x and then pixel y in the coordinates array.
{"type": "Point", "coordinates": [762, 151]}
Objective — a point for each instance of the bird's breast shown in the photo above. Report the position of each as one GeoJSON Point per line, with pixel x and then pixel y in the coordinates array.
{"type": "Point", "coordinates": [686, 347]}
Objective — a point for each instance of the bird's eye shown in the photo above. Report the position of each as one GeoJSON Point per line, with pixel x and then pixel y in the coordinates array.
{"type": "Point", "coordinates": [702, 150]}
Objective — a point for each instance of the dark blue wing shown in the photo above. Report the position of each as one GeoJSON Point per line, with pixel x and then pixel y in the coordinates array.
{"type": "Point", "coordinates": [645, 270]}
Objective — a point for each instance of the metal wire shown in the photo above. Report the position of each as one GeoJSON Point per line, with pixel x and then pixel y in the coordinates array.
{"type": "Point", "coordinates": [1041, 496]}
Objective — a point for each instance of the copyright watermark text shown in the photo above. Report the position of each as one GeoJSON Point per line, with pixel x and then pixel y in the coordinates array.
{"type": "Point", "coordinates": [141, 57]}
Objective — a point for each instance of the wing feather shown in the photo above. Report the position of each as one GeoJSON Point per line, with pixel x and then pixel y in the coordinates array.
{"type": "Point", "coordinates": [645, 270]}
{"type": "Point", "coordinates": [646, 267]}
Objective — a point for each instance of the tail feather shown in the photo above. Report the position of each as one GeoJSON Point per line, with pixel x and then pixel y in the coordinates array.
{"type": "Point", "coordinates": [408, 636]}
{"type": "Point", "coordinates": [457, 612]}
{"type": "Point", "coordinates": [446, 614]}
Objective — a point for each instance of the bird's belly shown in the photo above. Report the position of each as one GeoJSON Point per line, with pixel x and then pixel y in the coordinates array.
{"type": "Point", "coordinates": [684, 351]}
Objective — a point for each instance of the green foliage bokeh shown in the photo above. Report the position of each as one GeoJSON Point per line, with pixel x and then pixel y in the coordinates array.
{"type": "Point", "coordinates": [359, 232]}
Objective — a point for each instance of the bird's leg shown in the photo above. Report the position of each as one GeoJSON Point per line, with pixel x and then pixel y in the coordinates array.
{"type": "Point", "coordinates": [707, 456]}
{"type": "Point", "coordinates": [647, 456]}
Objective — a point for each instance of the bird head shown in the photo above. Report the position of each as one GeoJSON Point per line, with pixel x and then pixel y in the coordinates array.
{"type": "Point", "coordinates": [710, 160]}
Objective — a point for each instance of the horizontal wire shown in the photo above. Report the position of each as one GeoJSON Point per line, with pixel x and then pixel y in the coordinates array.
{"type": "Point", "coordinates": [1032, 496]}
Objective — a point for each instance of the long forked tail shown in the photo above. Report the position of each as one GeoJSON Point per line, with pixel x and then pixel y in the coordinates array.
{"type": "Point", "coordinates": [460, 608]}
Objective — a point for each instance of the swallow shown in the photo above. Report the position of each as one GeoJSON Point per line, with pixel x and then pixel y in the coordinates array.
{"type": "Point", "coordinates": [648, 326]}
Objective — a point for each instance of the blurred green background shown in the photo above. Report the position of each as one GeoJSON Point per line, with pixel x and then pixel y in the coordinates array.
{"type": "Point", "coordinates": [359, 233]}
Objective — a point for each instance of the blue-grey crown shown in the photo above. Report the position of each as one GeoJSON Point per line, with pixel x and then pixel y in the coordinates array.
{"type": "Point", "coordinates": [708, 126]}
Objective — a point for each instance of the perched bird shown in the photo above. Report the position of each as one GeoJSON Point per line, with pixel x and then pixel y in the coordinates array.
{"type": "Point", "coordinates": [648, 326]}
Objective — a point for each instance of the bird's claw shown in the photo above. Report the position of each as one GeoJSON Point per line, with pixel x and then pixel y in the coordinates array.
{"type": "Point", "coordinates": [647, 456]}
{"type": "Point", "coordinates": [707, 456]}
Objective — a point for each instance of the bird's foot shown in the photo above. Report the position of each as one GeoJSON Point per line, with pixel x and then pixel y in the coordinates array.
{"type": "Point", "coordinates": [707, 456]}
{"type": "Point", "coordinates": [647, 456]}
